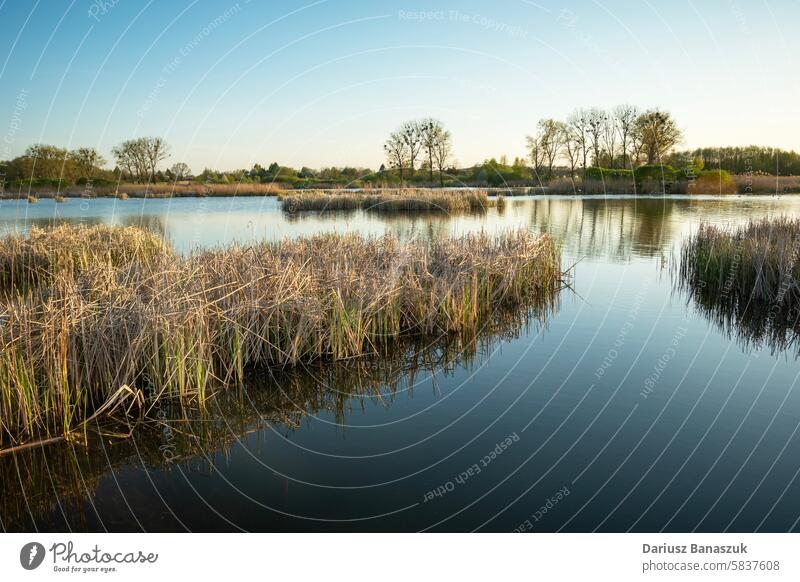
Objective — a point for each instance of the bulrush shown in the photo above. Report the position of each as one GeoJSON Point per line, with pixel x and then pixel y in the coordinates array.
{"type": "Point", "coordinates": [746, 279]}
{"type": "Point", "coordinates": [407, 199]}
{"type": "Point", "coordinates": [755, 262]}
{"type": "Point", "coordinates": [99, 318]}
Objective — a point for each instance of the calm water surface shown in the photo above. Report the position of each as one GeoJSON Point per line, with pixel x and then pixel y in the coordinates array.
{"type": "Point", "coordinates": [626, 409]}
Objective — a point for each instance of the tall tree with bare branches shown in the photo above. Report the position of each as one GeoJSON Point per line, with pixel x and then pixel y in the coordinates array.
{"type": "Point", "coordinates": [572, 148]}
{"type": "Point", "coordinates": [550, 136]}
{"type": "Point", "coordinates": [396, 152]}
{"type": "Point", "coordinates": [412, 136]}
{"type": "Point", "coordinates": [579, 132]}
{"type": "Point", "coordinates": [431, 133]}
{"type": "Point", "coordinates": [442, 150]}
{"type": "Point", "coordinates": [595, 122]}
{"type": "Point", "coordinates": [625, 116]}
{"type": "Point", "coordinates": [610, 138]}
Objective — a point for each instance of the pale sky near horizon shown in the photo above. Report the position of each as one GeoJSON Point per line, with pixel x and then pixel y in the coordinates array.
{"type": "Point", "coordinates": [322, 82]}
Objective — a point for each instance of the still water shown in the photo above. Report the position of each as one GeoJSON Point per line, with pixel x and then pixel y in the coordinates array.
{"type": "Point", "coordinates": [626, 409]}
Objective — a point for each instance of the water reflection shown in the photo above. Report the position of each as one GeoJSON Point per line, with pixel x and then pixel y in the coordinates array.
{"type": "Point", "coordinates": [711, 444]}
{"type": "Point", "coordinates": [753, 324]}
{"type": "Point", "coordinates": [55, 487]}
{"type": "Point", "coordinates": [614, 228]}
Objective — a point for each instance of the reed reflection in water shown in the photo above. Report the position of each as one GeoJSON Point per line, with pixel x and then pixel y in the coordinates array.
{"type": "Point", "coordinates": [62, 487]}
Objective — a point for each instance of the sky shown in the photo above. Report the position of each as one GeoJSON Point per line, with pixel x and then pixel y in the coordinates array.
{"type": "Point", "coordinates": [323, 82]}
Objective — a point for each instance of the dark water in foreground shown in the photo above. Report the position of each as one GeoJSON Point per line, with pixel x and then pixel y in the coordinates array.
{"type": "Point", "coordinates": [627, 409]}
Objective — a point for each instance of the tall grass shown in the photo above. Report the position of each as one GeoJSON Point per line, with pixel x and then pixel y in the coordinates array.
{"type": "Point", "coordinates": [567, 186]}
{"type": "Point", "coordinates": [747, 278]}
{"type": "Point", "coordinates": [157, 190]}
{"type": "Point", "coordinates": [408, 200]}
{"type": "Point", "coordinates": [760, 184]}
{"type": "Point", "coordinates": [39, 257]}
{"type": "Point", "coordinates": [118, 318]}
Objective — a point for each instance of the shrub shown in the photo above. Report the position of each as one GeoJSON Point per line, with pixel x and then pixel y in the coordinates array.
{"type": "Point", "coordinates": [656, 172]}
{"type": "Point", "coordinates": [713, 182]}
{"type": "Point", "coordinates": [595, 173]}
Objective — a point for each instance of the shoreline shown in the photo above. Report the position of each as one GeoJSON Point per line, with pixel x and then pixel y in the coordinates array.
{"type": "Point", "coordinates": [491, 192]}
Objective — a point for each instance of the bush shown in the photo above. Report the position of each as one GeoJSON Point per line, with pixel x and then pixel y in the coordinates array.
{"type": "Point", "coordinates": [95, 182]}
{"type": "Point", "coordinates": [657, 173]}
{"type": "Point", "coordinates": [595, 173]}
{"type": "Point", "coordinates": [714, 182]}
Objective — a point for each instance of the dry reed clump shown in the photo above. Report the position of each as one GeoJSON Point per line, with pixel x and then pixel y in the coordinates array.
{"type": "Point", "coordinates": [160, 190]}
{"type": "Point", "coordinates": [745, 279]}
{"type": "Point", "coordinates": [32, 199]}
{"type": "Point", "coordinates": [395, 200]}
{"type": "Point", "coordinates": [104, 336]}
{"type": "Point", "coordinates": [759, 184]}
{"type": "Point", "coordinates": [713, 183]}
{"type": "Point", "coordinates": [27, 261]}
{"type": "Point", "coordinates": [757, 261]}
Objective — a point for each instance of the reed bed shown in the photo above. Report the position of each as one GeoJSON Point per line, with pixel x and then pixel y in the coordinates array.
{"type": "Point", "coordinates": [760, 184]}
{"type": "Point", "coordinates": [398, 200]}
{"type": "Point", "coordinates": [29, 261]}
{"type": "Point", "coordinates": [119, 319]}
{"type": "Point", "coordinates": [168, 190]}
{"type": "Point", "coordinates": [157, 190]}
{"type": "Point", "coordinates": [757, 261]}
{"type": "Point", "coordinates": [745, 279]}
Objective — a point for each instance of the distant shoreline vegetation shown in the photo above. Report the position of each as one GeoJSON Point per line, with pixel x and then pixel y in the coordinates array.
{"type": "Point", "coordinates": [593, 151]}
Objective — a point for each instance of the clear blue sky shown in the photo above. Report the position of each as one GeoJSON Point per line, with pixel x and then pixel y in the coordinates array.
{"type": "Point", "coordinates": [322, 83]}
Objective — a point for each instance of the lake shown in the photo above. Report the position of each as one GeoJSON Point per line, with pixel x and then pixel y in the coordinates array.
{"type": "Point", "coordinates": [625, 409]}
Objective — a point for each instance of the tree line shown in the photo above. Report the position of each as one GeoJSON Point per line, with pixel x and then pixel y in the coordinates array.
{"type": "Point", "coordinates": [137, 160]}
{"type": "Point", "coordinates": [757, 160]}
{"type": "Point", "coordinates": [620, 139]}
{"type": "Point", "coordinates": [623, 137]}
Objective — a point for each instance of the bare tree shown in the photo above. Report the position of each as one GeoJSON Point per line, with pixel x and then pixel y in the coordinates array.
{"type": "Point", "coordinates": [396, 151]}
{"type": "Point", "coordinates": [431, 133]}
{"type": "Point", "coordinates": [595, 121]}
{"type": "Point", "coordinates": [140, 157]}
{"type": "Point", "coordinates": [579, 131]}
{"type": "Point", "coordinates": [659, 134]}
{"type": "Point", "coordinates": [156, 150]}
{"type": "Point", "coordinates": [637, 144]}
{"type": "Point", "coordinates": [442, 150]}
{"type": "Point", "coordinates": [625, 116]}
{"type": "Point", "coordinates": [537, 155]}
{"type": "Point", "coordinates": [550, 140]}
{"type": "Point", "coordinates": [412, 136]}
{"type": "Point", "coordinates": [132, 158]}
{"type": "Point", "coordinates": [181, 171]}
{"type": "Point", "coordinates": [610, 138]}
{"type": "Point", "coordinates": [572, 147]}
